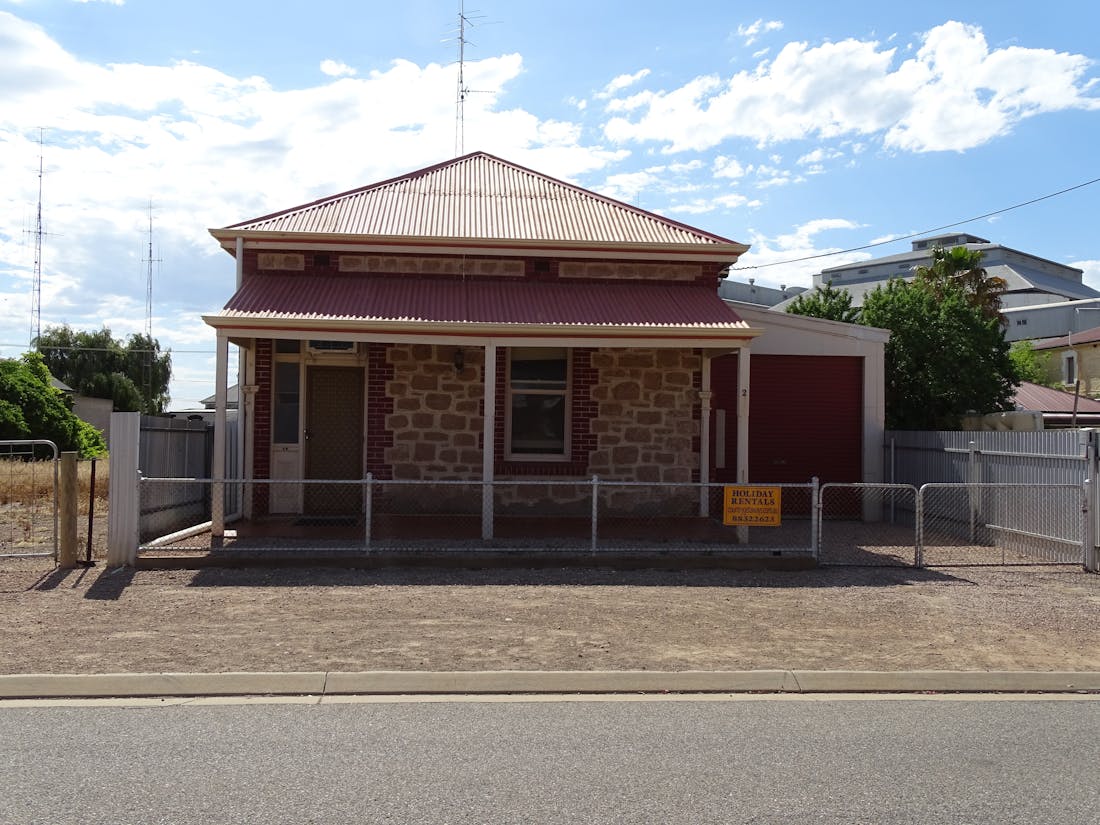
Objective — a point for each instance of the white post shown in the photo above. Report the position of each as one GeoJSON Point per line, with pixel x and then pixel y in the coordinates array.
{"type": "Point", "coordinates": [217, 493]}
{"type": "Point", "coordinates": [705, 396]}
{"type": "Point", "coordinates": [743, 428]}
{"type": "Point", "coordinates": [488, 453]}
{"type": "Point", "coordinates": [124, 505]}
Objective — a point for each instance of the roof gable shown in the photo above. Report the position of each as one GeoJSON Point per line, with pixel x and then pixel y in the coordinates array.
{"type": "Point", "coordinates": [479, 196]}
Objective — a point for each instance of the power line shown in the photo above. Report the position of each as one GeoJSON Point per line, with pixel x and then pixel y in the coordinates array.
{"type": "Point", "coordinates": [918, 234]}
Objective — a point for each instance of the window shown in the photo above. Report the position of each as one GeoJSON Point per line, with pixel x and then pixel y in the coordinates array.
{"type": "Point", "coordinates": [284, 429]}
{"type": "Point", "coordinates": [1069, 367]}
{"type": "Point", "coordinates": [538, 402]}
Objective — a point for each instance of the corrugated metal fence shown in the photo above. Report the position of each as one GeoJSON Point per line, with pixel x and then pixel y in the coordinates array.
{"type": "Point", "coordinates": [947, 457]}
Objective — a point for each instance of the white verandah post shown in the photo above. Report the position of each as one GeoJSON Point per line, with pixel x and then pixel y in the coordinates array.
{"type": "Point", "coordinates": [217, 493]}
{"type": "Point", "coordinates": [488, 457]}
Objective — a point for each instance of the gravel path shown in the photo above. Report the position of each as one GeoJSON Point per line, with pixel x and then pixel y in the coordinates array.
{"type": "Point", "coordinates": [967, 618]}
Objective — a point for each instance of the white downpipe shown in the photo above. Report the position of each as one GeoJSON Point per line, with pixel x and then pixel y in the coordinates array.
{"type": "Point", "coordinates": [240, 262]}
{"type": "Point", "coordinates": [488, 456]}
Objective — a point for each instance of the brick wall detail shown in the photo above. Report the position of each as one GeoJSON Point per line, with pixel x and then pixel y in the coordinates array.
{"type": "Point", "coordinates": [261, 426]}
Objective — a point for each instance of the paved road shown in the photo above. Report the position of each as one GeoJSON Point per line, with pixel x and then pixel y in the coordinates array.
{"type": "Point", "coordinates": [825, 761]}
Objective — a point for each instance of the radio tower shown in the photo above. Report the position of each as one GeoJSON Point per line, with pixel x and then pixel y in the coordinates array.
{"type": "Point", "coordinates": [147, 366]}
{"type": "Point", "coordinates": [36, 283]}
{"type": "Point", "coordinates": [150, 260]}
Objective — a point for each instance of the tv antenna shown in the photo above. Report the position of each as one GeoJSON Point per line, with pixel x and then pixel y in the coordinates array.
{"type": "Point", "coordinates": [464, 21]}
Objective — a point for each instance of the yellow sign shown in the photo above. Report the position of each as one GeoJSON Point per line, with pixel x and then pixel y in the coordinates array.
{"type": "Point", "coordinates": [752, 506]}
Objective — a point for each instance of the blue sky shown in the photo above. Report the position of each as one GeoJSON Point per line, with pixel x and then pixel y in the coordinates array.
{"type": "Point", "coordinates": [798, 128]}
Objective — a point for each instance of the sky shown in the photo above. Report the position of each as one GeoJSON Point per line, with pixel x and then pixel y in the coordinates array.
{"type": "Point", "coordinates": [799, 128]}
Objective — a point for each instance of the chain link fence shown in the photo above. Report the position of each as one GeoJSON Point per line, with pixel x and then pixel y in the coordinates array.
{"type": "Point", "coordinates": [369, 515]}
{"type": "Point", "coordinates": [838, 524]}
{"type": "Point", "coordinates": [1001, 524]}
{"type": "Point", "coordinates": [868, 525]}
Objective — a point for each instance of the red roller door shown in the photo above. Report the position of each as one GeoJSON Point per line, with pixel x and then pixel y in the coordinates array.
{"type": "Point", "coordinates": [805, 417]}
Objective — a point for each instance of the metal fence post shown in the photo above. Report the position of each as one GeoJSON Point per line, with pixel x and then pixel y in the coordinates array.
{"type": "Point", "coordinates": [815, 520]}
{"type": "Point", "coordinates": [1091, 562]}
{"type": "Point", "coordinates": [918, 559]}
{"type": "Point", "coordinates": [595, 509]}
{"type": "Point", "coordinates": [972, 479]}
{"type": "Point", "coordinates": [368, 510]}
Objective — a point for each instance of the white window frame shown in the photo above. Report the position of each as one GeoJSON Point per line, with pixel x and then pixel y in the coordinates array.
{"type": "Point", "coordinates": [567, 400]}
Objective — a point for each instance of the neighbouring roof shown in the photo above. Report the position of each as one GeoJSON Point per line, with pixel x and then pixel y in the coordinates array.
{"type": "Point", "coordinates": [1086, 336]}
{"type": "Point", "coordinates": [1044, 399]}
{"type": "Point", "coordinates": [479, 196]}
{"type": "Point", "coordinates": [281, 300]}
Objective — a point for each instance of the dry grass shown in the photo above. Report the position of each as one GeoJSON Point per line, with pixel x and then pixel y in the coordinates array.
{"type": "Point", "coordinates": [31, 482]}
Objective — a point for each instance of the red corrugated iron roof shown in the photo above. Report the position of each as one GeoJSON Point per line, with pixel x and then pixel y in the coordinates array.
{"type": "Point", "coordinates": [1044, 399]}
{"type": "Point", "coordinates": [286, 298]}
{"type": "Point", "coordinates": [1085, 336]}
{"type": "Point", "coordinates": [481, 196]}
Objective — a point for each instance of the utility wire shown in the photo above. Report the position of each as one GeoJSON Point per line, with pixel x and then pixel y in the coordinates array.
{"type": "Point", "coordinates": [918, 234]}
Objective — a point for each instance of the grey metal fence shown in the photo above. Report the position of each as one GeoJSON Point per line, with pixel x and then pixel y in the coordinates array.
{"type": "Point", "coordinates": [182, 448]}
{"type": "Point", "coordinates": [28, 498]}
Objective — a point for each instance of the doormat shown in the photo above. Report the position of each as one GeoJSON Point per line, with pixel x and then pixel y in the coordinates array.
{"type": "Point", "coordinates": [327, 521]}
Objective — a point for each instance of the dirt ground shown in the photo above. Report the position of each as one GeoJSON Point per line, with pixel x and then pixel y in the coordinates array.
{"type": "Point", "coordinates": [261, 619]}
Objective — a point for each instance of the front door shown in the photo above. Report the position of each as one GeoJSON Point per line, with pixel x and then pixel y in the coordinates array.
{"type": "Point", "coordinates": [334, 439]}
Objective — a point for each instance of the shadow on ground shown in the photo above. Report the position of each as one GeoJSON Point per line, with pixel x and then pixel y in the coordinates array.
{"type": "Point", "coordinates": [565, 577]}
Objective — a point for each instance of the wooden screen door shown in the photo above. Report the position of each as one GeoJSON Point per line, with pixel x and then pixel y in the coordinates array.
{"type": "Point", "coordinates": [334, 439]}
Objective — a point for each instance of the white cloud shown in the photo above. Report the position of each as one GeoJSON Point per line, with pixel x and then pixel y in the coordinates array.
{"type": "Point", "coordinates": [623, 81]}
{"type": "Point", "coordinates": [798, 247]}
{"type": "Point", "coordinates": [751, 32]}
{"type": "Point", "coordinates": [954, 93]}
{"type": "Point", "coordinates": [334, 68]}
{"type": "Point", "coordinates": [725, 167]}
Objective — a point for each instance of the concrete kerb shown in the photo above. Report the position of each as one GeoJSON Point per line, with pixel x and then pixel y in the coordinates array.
{"type": "Point", "coordinates": [391, 683]}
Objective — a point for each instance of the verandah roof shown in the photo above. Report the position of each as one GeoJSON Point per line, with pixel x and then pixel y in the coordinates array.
{"type": "Point", "coordinates": [273, 301]}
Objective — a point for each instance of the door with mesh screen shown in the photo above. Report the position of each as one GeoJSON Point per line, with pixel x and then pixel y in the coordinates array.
{"type": "Point", "coordinates": [334, 440]}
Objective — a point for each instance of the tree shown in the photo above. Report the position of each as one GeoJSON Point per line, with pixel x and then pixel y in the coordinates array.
{"type": "Point", "coordinates": [31, 408]}
{"type": "Point", "coordinates": [1030, 365]}
{"type": "Point", "coordinates": [134, 374]}
{"type": "Point", "coordinates": [945, 357]}
{"type": "Point", "coordinates": [962, 268]}
{"type": "Point", "coordinates": [832, 304]}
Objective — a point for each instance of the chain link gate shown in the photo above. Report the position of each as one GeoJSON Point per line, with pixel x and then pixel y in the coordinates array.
{"type": "Point", "coordinates": [869, 525]}
{"type": "Point", "coordinates": [28, 498]}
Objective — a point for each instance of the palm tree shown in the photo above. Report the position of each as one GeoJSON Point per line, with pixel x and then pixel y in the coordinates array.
{"type": "Point", "coordinates": [962, 268]}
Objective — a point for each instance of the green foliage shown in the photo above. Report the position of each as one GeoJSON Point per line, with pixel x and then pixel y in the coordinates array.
{"type": "Point", "coordinates": [961, 268]}
{"type": "Point", "coordinates": [832, 304]}
{"type": "Point", "coordinates": [134, 374]}
{"type": "Point", "coordinates": [945, 357]}
{"type": "Point", "coordinates": [1030, 365]}
{"type": "Point", "coordinates": [31, 408]}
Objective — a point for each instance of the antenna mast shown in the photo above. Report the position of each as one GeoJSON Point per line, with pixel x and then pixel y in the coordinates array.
{"type": "Point", "coordinates": [150, 260]}
{"type": "Point", "coordinates": [36, 284]}
{"type": "Point", "coordinates": [460, 103]}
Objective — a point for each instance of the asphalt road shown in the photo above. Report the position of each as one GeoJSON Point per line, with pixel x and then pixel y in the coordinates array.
{"type": "Point", "coordinates": [790, 761]}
